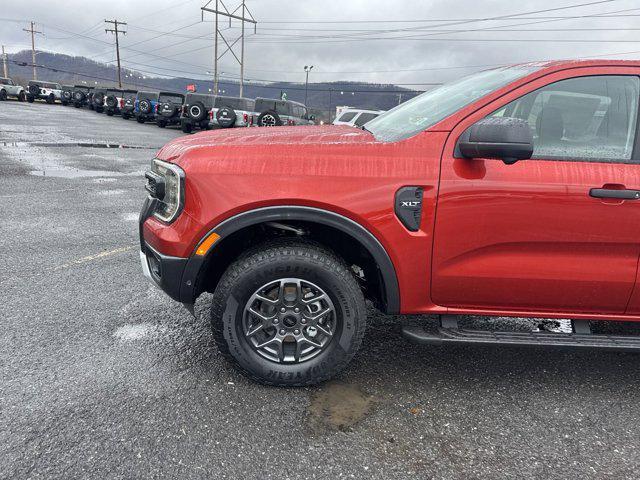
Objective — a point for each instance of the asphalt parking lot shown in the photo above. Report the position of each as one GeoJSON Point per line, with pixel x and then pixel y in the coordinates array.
{"type": "Point", "coordinates": [103, 376]}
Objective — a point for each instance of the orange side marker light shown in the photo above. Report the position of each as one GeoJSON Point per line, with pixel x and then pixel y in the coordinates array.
{"type": "Point", "coordinates": [207, 244]}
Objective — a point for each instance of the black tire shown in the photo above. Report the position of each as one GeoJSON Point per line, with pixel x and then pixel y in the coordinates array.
{"type": "Point", "coordinates": [197, 111]}
{"type": "Point", "coordinates": [78, 97]}
{"type": "Point", "coordinates": [140, 119]}
{"type": "Point", "coordinates": [111, 102]}
{"type": "Point", "coordinates": [125, 116]}
{"type": "Point", "coordinates": [144, 106]}
{"type": "Point", "coordinates": [34, 90]}
{"type": "Point", "coordinates": [270, 118]}
{"type": "Point", "coordinates": [51, 99]}
{"type": "Point", "coordinates": [30, 99]}
{"type": "Point", "coordinates": [64, 103]}
{"type": "Point", "coordinates": [77, 105]}
{"type": "Point", "coordinates": [168, 109]}
{"type": "Point", "coordinates": [99, 109]}
{"type": "Point", "coordinates": [22, 97]}
{"type": "Point", "coordinates": [312, 264]}
{"type": "Point", "coordinates": [226, 117]}
{"type": "Point", "coordinates": [3, 95]}
{"type": "Point", "coordinates": [109, 113]}
{"type": "Point", "coordinates": [161, 123]}
{"type": "Point", "coordinates": [187, 127]}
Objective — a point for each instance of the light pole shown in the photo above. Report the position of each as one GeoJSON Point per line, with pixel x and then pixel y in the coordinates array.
{"type": "Point", "coordinates": [307, 69]}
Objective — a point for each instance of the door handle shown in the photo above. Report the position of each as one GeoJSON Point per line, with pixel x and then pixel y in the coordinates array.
{"type": "Point", "coordinates": [619, 194]}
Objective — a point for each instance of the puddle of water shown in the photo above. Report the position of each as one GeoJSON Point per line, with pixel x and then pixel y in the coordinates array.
{"type": "Point", "coordinates": [72, 173]}
{"type": "Point", "coordinates": [76, 144]}
{"type": "Point", "coordinates": [338, 406]}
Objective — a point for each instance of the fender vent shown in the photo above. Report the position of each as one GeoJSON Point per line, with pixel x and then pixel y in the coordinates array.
{"type": "Point", "coordinates": [408, 207]}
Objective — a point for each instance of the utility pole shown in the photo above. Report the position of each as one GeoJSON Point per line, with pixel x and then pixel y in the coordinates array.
{"type": "Point", "coordinates": [307, 69]}
{"type": "Point", "coordinates": [115, 31]}
{"type": "Point", "coordinates": [244, 16]}
{"type": "Point", "coordinates": [5, 67]}
{"type": "Point", "coordinates": [33, 32]}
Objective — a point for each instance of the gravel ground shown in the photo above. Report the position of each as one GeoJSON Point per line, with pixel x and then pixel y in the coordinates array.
{"type": "Point", "coordinates": [103, 376]}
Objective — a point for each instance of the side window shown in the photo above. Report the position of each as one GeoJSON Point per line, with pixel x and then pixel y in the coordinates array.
{"type": "Point", "coordinates": [585, 118]}
{"type": "Point", "coordinates": [364, 118]}
{"type": "Point", "coordinates": [347, 116]}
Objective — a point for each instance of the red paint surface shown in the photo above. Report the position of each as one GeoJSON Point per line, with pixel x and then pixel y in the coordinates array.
{"type": "Point", "coordinates": [524, 239]}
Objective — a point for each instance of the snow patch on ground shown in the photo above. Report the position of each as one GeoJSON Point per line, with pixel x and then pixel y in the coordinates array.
{"type": "Point", "coordinates": [140, 331]}
{"type": "Point", "coordinates": [111, 192]}
{"type": "Point", "coordinates": [104, 180]}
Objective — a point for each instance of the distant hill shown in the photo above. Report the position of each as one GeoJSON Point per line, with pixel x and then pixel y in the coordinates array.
{"type": "Point", "coordinates": [324, 96]}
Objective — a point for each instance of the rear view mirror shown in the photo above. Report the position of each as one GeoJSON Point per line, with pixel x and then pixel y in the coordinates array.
{"type": "Point", "coordinates": [509, 139]}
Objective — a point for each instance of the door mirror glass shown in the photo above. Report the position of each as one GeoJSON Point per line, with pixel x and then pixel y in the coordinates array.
{"type": "Point", "coordinates": [509, 139]}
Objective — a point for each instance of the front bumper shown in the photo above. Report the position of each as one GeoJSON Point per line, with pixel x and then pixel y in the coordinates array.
{"type": "Point", "coordinates": [164, 271]}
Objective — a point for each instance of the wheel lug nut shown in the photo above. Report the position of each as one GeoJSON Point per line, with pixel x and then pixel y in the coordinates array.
{"type": "Point", "coordinates": [275, 321]}
{"type": "Point", "coordinates": [297, 310]}
{"type": "Point", "coordinates": [296, 332]}
{"type": "Point", "coordinates": [303, 320]}
{"type": "Point", "coordinates": [282, 332]}
{"type": "Point", "coordinates": [283, 309]}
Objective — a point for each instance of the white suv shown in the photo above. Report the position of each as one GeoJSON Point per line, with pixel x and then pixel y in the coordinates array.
{"type": "Point", "coordinates": [356, 117]}
{"type": "Point", "coordinates": [48, 91]}
{"type": "Point", "coordinates": [10, 89]}
{"type": "Point", "coordinates": [231, 112]}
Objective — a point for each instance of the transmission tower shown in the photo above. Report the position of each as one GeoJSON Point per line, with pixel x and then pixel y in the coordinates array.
{"type": "Point", "coordinates": [242, 13]}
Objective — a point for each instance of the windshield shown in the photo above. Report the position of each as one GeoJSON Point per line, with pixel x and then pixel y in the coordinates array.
{"type": "Point", "coordinates": [424, 111]}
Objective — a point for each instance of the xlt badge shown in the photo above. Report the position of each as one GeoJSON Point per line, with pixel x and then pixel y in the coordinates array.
{"type": "Point", "coordinates": [408, 207]}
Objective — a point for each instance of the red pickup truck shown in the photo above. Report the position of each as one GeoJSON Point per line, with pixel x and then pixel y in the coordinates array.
{"type": "Point", "coordinates": [511, 192]}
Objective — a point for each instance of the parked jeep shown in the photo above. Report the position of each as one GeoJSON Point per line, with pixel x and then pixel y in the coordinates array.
{"type": "Point", "coordinates": [79, 95]}
{"type": "Point", "coordinates": [113, 101]}
{"type": "Point", "coordinates": [98, 98]}
{"type": "Point", "coordinates": [534, 171]}
{"type": "Point", "coordinates": [66, 94]}
{"type": "Point", "coordinates": [274, 113]}
{"type": "Point", "coordinates": [146, 106]}
{"type": "Point", "coordinates": [169, 108]}
{"type": "Point", "coordinates": [9, 89]}
{"type": "Point", "coordinates": [231, 112]}
{"type": "Point", "coordinates": [195, 111]}
{"type": "Point", "coordinates": [48, 91]}
{"type": "Point", "coordinates": [128, 103]}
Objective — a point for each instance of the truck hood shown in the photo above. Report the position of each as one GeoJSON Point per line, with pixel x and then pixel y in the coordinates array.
{"type": "Point", "coordinates": [221, 143]}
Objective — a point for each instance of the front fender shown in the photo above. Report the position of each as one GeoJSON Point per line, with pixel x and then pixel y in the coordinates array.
{"type": "Point", "coordinates": [246, 219]}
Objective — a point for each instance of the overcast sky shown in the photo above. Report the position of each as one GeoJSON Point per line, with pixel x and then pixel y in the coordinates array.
{"type": "Point", "coordinates": [402, 42]}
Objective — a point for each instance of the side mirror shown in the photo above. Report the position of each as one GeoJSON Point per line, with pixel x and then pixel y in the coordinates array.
{"type": "Point", "coordinates": [509, 139]}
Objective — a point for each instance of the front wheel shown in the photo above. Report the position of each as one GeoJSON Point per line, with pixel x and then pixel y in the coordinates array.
{"type": "Point", "coordinates": [139, 119]}
{"type": "Point", "coordinates": [3, 95]}
{"type": "Point", "coordinates": [289, 314]}
{"type": "Point", "coordinates": [21, 97]}
{"type": "Point", "coordinates": [30, 99]}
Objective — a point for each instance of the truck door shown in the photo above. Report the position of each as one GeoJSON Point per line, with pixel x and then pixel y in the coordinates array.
{"type": "Point", "coordinates": [551, 233]}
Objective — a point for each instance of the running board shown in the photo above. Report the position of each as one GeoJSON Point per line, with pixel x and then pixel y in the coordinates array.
{"type": "Point", "coordinates": [448, 333]}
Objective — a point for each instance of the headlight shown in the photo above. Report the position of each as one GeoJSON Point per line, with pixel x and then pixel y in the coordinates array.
{"type": "Point", "coordinates": [165, 183]}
